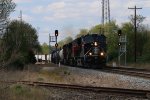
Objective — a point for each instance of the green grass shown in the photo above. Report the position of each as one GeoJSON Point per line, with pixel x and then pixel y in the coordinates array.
{"type": "Point", "coordinates": [40, 79]}
{"type": "Point", "coordinates": [140, 65]}
{"type": "Point", "coordinates": [23, 92]}
{"type": "Point", "coordinates": [57, 74]}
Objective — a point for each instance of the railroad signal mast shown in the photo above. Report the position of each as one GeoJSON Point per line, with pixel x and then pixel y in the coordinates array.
{"type": "Point", "coordinates": [122, 47]}
{"type": "Point", "coordinates": [53, 39]}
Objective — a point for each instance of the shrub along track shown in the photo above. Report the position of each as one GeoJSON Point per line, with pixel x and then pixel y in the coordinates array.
{"type": "Point", "coordinates": [132, 92]}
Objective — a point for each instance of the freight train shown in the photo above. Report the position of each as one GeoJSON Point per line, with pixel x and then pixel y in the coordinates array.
{"type": "Point", "coordinates": [86, 51]}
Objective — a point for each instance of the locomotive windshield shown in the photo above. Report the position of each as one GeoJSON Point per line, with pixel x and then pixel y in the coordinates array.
{"type": "Point", "coordinates": [94, 37]}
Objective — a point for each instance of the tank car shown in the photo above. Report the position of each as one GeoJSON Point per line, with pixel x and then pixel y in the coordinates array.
{"type": "Point", "coordinates": [55, 56]}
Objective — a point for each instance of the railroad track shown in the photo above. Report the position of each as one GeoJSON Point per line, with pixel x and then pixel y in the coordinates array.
{"type": "Point", "coordinates": [133, 92]}
{"type": "Point", "coordinates": [129, 71]}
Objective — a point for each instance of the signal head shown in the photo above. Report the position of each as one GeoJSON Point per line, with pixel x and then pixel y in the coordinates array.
{"type": "Point", "coordinates": [56, 45]}
{"type": "Point", "coordinates": [56, 32]}
{"type": "Point", "coordinates": [119, 44]}
{"type": "Point", "coordinates": [119, 32]}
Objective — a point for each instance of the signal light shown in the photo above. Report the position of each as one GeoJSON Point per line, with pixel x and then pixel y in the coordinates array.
{"type": "Point", "coordinates": [95, 43]}
{"type": "Point", "coordinates": [56, 45]}
{"type": "Point", "coordinates": [119, 32]}
{"type": "Point", "coordinates": [102, 54]}
{"type": "Point", "coordinates": [119, 44]}
{"type": "Point", "coordinates": [56, 32]}
{"type": "Point", "coordinates": [90, 53]}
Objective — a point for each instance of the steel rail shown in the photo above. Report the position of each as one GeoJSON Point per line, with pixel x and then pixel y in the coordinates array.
{"type": "Point", "coordinates": [142, 93]}
{"type": "Point", "coordinates": [128, 71]}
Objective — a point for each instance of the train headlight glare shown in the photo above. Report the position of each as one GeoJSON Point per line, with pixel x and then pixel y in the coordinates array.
{"type": "Point", "coordinates": [102, 54]}
{"type": "Point", "coordinates": [90, 53]}
{"type": "Point", "coordinates": [95, 43]}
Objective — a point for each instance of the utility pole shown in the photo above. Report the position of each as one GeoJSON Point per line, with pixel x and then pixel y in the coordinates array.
{"type": "Point", "coordinates": [135, 30]}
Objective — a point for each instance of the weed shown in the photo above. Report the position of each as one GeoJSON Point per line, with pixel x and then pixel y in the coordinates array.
{"type": "Point", "coordinates": [40, 79]}
{"type": "Point", "coordinates": [66, 73]}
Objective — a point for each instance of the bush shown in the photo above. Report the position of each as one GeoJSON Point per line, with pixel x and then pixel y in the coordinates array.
{"type": "Point", "coordinates": [146, 52]}
{"type": "Point", "coordinates": [31, 57]}
{"type": "Point", "coordinates": [16, 64]}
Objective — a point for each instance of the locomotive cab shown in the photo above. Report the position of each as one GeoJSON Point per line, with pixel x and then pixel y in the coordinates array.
{"type": "Point", "coordinates": [95, 52]}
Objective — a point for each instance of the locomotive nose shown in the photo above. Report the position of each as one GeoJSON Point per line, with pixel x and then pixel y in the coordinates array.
{"type": "Point", "coordinates": [96, 51]}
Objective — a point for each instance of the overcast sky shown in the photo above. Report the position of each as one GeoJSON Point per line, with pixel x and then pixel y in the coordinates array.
{"type": "Point", "coordinates": [69, 16]}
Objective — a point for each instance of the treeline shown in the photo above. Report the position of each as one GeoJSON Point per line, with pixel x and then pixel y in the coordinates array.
{"type": "Point", "coordinates": [18, 39]}
{"type": "Point", "coordinates": [143, 39]}
{"type": "Point", "coordinates": [18, 44]}
{"type": "Point", "coordinates": [45, 49]}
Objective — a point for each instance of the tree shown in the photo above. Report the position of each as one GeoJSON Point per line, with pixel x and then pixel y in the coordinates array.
{"type": "Point", "coordinates": [112, 39]}
{"type": "Point", "coordinates": [65, 41]}
{"type": "Point", "coordinates": [45, 48]}
{"type": "Point", "coordinates": [142, 37]}
{"type": "Point", "coordinates": [139, 19]}
{"type": "Point", "coordinates": [146, 51]}
{"type": "Point", "coordinates": [68, 40]}
{"type": "Point", "coordinates": [95, 29]}
{"type": "Point", "coordinates": [6, 7]}
{"type": "Point", "coordinates": [19, 42]}
{"type": "Point", "coordinates": [82, 32]}
{"type": "Point", "coordinates": [128, 30]}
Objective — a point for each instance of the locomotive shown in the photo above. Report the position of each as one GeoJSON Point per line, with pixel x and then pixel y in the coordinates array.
{"type": "Point", "coordinates": [86, 51]}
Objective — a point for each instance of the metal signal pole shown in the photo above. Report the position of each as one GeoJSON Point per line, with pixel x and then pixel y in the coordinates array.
{"type": "Point", "coordinates": [135, 31]}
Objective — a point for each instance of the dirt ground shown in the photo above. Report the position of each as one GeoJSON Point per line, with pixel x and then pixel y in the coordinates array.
{"type": "Point", "coordinates": [72, 75]}
{"type": "Point", "coordinates": [67, 75]}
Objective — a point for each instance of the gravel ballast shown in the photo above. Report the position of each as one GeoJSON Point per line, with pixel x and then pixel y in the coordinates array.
{"type": "Point", "coordinates": [79, 76]}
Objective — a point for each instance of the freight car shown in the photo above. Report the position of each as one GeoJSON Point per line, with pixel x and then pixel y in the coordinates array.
{"type": "Point", "coordinates": [86, 51]}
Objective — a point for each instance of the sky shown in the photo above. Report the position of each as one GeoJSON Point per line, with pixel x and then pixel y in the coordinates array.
{"type": "Point", "coordinates": [69, 16]}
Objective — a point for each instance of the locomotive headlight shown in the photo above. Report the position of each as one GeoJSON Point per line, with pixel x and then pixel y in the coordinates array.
{"type": "Point", "coordinates": [90, 53]}
{"type": "Point", "coordinates": [102, 54]}
{"type": "Point", "coordinates": [95, 43]}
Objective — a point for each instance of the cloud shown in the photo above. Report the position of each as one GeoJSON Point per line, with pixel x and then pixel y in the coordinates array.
{"type": "Point", "coordinates": [56, 6]}
{"type": "Point", "coordinates": [27, 17]}
{"type": "Point", "coordinates": [21, 1]}
{"type": "Point", "coordinates": [69, 16]}
{"type": "Point", "coordinates": [38, 10]}
{"type": "Point", "coordinates": [68, 9]}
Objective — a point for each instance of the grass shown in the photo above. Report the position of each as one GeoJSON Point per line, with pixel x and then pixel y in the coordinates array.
{"type": "Point", "coordinates": [40, 79]}
{"type": "Point", "coordinates": [23, 92]}
{"type": "Point", "coordinates": [140, 65]}
{"type": "Point", "coordinates": [58, 74]}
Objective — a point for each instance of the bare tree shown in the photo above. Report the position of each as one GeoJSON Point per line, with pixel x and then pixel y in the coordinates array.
{"type": "Point", "coordinates": [6, 7]}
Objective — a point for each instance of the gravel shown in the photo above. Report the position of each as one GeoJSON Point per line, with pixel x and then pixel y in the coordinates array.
{"type": "Point", "coordinates": [23, 92]}
{"type": "Point", "coordinates": [79, 76]}
{"type": "Point", "coordinates": [105, 79]}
